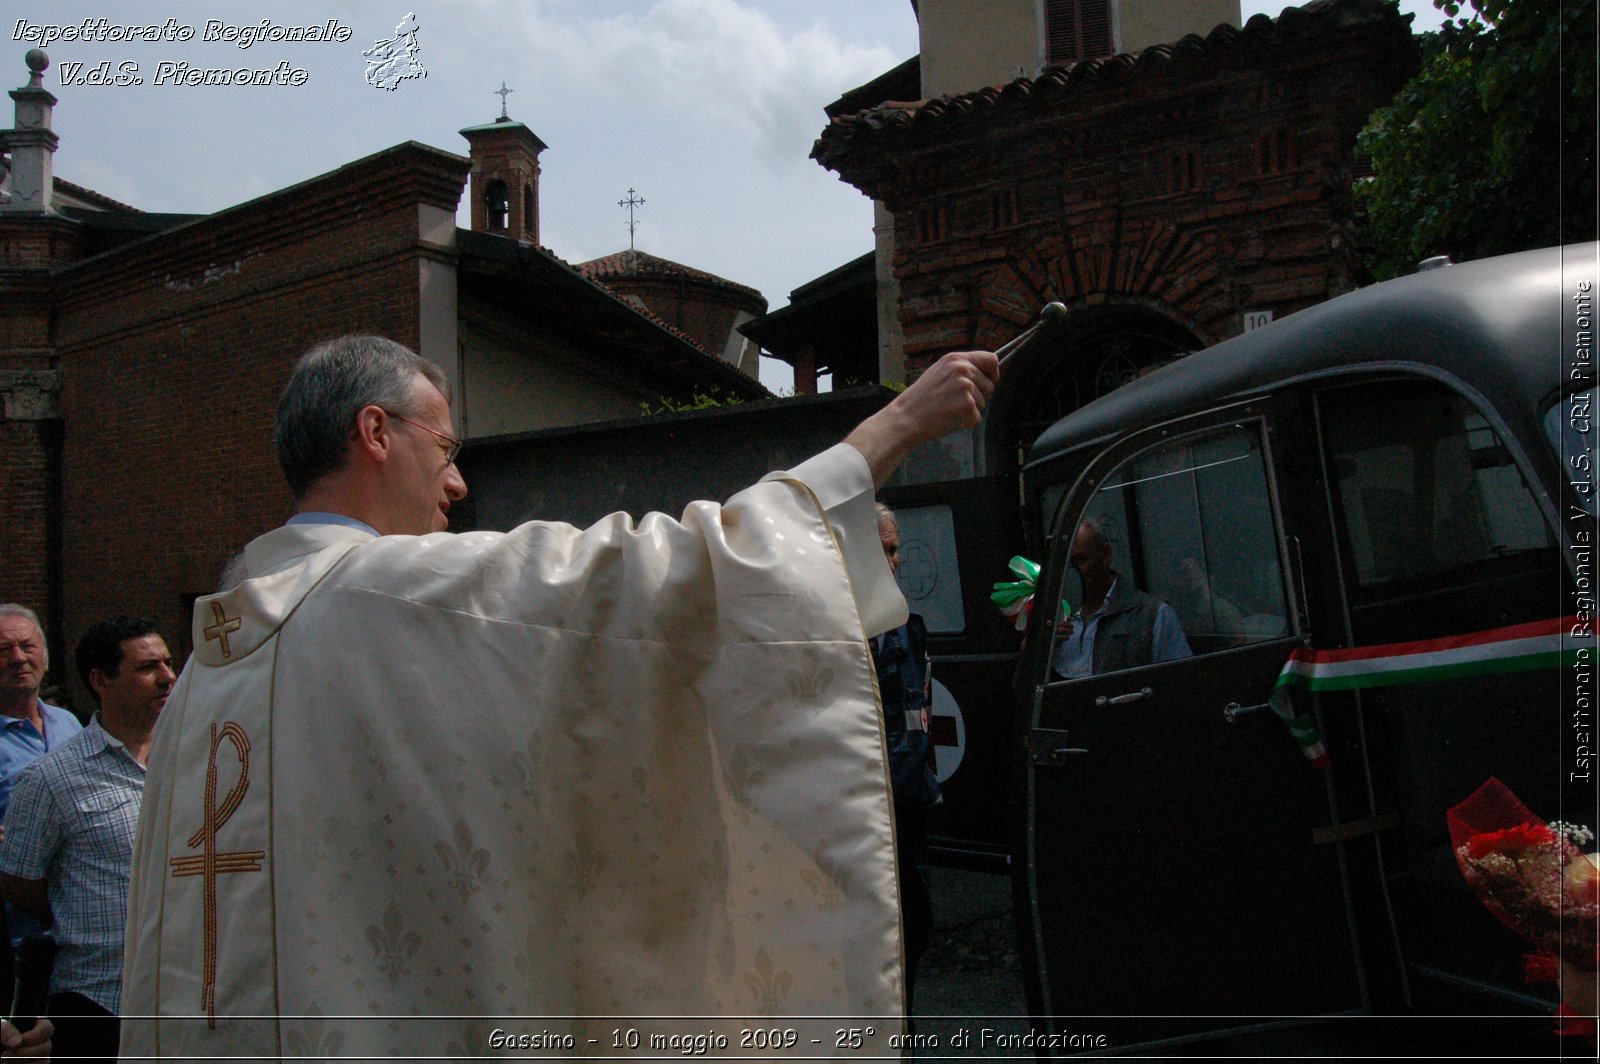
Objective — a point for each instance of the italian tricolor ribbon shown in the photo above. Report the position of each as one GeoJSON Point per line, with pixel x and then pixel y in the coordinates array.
{"type": "Point", "coordinates": [1014, 598]}
{"type": "Point", "coordinates": [1514, 648]}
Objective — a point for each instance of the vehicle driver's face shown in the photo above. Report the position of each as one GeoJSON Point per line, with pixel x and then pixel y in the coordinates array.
{"type": "Point", "coordinates": [890, 535]}
{"type": "Point", "coordinates": [1090, 557]}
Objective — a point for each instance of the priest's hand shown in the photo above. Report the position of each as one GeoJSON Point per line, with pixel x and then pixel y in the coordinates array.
{"type": "Point", "coordinates": [34, 1045]}
{"type": "Point", "coordinates": [950, 395]}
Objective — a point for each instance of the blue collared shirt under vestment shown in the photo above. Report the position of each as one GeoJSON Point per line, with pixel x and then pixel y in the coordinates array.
{"type": "Point", "coordinates": [323, 517]}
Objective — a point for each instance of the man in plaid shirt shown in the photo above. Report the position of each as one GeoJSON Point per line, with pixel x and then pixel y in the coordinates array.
{"type": "Point", "coordinates": [70, 827]}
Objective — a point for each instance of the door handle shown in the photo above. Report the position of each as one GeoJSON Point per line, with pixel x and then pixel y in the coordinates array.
{"type": "Point", "coordinates": [1122, 700]}
{"type": "Point", "coordinates": [1049, 746]}
{"type": "Point", "coordinates": [1233, 710]}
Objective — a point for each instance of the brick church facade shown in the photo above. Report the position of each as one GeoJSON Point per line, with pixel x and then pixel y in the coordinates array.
{"type": "Point", "coordinates": [1161, 196]}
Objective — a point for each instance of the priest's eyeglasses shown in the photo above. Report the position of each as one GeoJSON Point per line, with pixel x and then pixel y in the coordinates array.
{"type": "Point", "coordinates": [453, 445]}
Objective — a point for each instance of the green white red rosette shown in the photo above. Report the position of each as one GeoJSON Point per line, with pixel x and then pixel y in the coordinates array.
{"type": "Point", "coordinates": [1014, 598]}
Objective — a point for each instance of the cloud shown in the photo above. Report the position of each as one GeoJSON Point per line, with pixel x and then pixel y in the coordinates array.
{"type": "Point", "coordinates": [718, 62]}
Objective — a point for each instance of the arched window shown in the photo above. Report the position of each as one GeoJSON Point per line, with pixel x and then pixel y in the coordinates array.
{"type": "Point", "coordinates": [499, 207]}
{"type": "Point", "coordinates": [527, 210]}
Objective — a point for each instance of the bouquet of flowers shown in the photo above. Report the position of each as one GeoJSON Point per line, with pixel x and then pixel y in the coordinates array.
{"type": "Point", "coordinates": [1535, 877]}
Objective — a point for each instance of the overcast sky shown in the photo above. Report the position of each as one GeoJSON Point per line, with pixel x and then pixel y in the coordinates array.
{"type": "Point", "coordinates": [708, 108]}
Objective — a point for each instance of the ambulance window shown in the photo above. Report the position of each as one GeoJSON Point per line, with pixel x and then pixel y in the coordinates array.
{"type": "Point", "coordinates": [1422, 483]}
{"type": "Point", "coordinates": [1189, 522]}
{"type": "Point", "coordinates": [929, 573]}
{"type": "Point", "coordinates": [1570, 426]}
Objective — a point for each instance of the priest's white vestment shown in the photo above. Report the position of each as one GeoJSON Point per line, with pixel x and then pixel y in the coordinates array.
{"type": "Point", "coordinates": [415, 796]}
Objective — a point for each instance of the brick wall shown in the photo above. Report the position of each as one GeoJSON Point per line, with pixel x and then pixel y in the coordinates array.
{"type": "Point", "coordinates": [1189, 184]}
{"type": "Point", "coordinates": [22, 532]}
{"type": "Point", "coordinates": [173, 354]}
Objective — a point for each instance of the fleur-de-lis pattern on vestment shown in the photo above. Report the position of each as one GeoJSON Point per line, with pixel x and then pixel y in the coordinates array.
{"type": "Point", "coordinates": [768, 985]}
{"type": "Point", "coordinates": [808, 684]}
{"type": "Point", "coordinates": [392, 944]}
{"type": "Point", "coordinates": [464, 862]}
{"type": "Point", "coordinates": [313, 1039]}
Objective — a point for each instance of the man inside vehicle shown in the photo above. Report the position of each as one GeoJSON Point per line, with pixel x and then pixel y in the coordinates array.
{"type": "Point", "coordinates": [1116, 626]}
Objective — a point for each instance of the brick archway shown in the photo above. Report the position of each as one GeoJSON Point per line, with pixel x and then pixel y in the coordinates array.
{"type": "Point", "coordinates": [1097, 349]}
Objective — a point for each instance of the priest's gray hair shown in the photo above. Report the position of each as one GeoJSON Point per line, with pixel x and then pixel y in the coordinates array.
{"type": "Point", "coordinates": [16, 609]}
{"type": "Point", "coordinates": [330, 386]}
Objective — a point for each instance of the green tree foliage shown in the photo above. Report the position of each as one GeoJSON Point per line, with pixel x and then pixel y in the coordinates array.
{"type": "Point", "coordinates": [1491, 147]}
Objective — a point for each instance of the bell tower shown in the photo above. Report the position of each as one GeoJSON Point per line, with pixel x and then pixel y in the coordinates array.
{"type": "Point", "coordinates": [505, 176]}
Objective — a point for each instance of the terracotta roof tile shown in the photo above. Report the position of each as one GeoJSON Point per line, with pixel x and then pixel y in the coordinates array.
{"type": "Point", "coordinates": [642, 265]}
{"type": "Point", "coordinates": [1294, 24]}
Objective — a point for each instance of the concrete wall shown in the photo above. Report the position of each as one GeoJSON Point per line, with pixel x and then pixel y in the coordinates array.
{"type": "Point", "coordinates": [517, 382]}
{"type": "Point", "coordinates": [1137, 24]}
{"type": "Point", "coordinates": [968, 44]}
{"type": "Point", "coordinates": [661, 463]}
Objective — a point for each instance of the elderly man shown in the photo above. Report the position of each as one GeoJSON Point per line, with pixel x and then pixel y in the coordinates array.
{"type": "Point", "coordinates": [1117, 626]}
{"type": "Point", "coordinates": [630, 770]}
{"type": "Point", "coordinates": [70, 829]}
{"type": "Point", "coordinates": [29, 729]}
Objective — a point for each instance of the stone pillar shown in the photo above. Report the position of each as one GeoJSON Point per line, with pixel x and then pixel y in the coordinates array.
{"type": "Point", "coordinates": [891, 340]}
{"type": "Point", "coordinates": [805, 371]}
{"type": "Point", "coordinates": [32, 144]}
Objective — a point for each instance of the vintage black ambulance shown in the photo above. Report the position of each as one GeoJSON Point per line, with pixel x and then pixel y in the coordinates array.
{"type": "Point", "coordinates": [1399, 485]}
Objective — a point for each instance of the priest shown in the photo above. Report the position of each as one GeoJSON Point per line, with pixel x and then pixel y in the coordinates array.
{"type": "Point", "coordinates": [561, 790]}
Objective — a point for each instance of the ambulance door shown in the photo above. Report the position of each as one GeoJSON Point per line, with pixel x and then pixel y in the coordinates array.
{"type": "Point", "coordinates": [1176, 858]}
{"type": "Point", "coordinates": [1443, 562]}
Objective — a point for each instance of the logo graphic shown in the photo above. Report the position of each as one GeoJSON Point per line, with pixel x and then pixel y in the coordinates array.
{"type": "Point", "coordinates": [393, 61]}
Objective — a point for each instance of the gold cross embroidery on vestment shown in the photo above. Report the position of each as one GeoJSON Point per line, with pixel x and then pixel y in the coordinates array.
{"type": "Point", "coordinates": [210, 863]}
{"type": "Point", "coordinates": [219, 631]}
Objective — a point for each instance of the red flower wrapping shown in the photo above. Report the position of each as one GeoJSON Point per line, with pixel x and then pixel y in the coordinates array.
{"type": "Point", "coordinates": [1536, 878]}
{"type": "Point", "coordinates": [1510, 840]}
{"type": "Point", "coordinates": [1532, 875]}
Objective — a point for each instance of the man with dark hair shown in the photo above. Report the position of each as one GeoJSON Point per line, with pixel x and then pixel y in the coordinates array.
{"type": "Point", "coordinates": [70, 827]}
{"type": "Point", "coordinates": [550, 772]}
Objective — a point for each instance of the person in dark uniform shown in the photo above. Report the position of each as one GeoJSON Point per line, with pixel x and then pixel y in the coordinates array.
{"type": "Point", "coordinates": [904, 682]}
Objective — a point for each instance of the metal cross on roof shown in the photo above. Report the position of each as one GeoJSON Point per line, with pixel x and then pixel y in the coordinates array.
{"type": "Point", "coordinates": [503, 92]}
{"type": "Point", "coordinates": [631, 202]}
